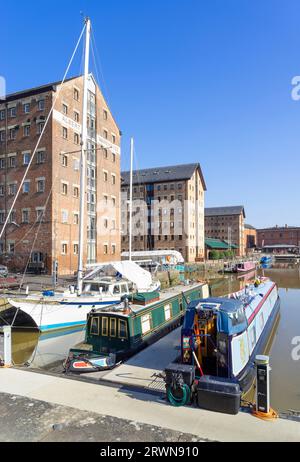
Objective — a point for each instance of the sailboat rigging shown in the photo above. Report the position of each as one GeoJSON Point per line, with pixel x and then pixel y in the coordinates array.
{"type": "Point", "coordinates": [51, 310]}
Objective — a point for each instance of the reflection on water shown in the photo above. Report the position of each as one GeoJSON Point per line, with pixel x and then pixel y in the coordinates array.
{"type": "Point", "coordinates": [45, 351]}
{"type": "Point", "coordinates": [24, 342]}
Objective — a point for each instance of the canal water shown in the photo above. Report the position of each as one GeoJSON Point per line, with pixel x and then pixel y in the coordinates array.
{"type": "Point", "coordinates": [47, 352]}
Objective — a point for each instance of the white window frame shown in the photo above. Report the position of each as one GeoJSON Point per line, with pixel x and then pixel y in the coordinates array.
{"type": "Point", "coordinates": [146, 322]}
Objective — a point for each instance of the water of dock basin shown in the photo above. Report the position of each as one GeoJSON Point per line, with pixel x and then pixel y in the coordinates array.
{"type": "Point", "coordinates": [48, 352]}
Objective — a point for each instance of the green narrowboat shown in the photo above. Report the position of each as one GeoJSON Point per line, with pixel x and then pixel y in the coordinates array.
{"type": "Point", "coordinates": [114, 333]}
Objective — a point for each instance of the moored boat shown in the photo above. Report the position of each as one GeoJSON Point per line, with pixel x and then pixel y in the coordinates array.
{"type": "Point", "coordinates": [219, 341]}
{"type": "Point", "coordinates": [121, 330]}
{"type": "Point", "coordinates": [49, 310]}
{"type": "Point", "coordinates": [245, 266]}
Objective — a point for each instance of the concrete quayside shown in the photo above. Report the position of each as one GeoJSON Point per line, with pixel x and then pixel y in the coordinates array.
{"type": "Point", "coordinates": [137, 408]}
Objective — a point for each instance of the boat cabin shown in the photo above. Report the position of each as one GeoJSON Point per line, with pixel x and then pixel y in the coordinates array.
{"type": "Point", "coordinates": [107, 286]}
{"type": "Point", "coordinates": [124, 328]}
{"type": "Point", "coordinates": [207, 329]}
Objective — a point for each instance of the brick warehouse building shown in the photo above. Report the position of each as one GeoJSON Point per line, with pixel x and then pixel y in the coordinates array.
{"type": "Point", "coordinates": [52, 183]}
{"type": "Point", "coordinates": [250, 237]}
{"type": "Point", "coordinates": [279, 235]}
{"type": "Point", "coordinates": [178, 192]}
{"type": "Point", "coordinates": [227, 224]}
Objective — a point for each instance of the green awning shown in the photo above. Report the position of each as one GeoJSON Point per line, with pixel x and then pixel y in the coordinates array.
{"type": "Point", "coordinates": [217, 244]}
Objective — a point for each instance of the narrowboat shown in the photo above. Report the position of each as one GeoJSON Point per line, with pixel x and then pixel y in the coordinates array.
{"type": "Point", "coordinates": [229, 268]}
{"type": "Point", "coordinates": [116, 332]}
{"type": "Point", "coordinates": [245, 266]}
{"type": "Point", "coordinates": [219, 341]}
{"type": "Point", "coordinates": [266, 259]}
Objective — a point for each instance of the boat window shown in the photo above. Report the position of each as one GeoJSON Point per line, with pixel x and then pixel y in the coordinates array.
{"type": "Point", "coordinates": [146, 323]}
{"type": "Point", "coordinates": [122, 329]}
{"type": "Point", "coordinates": [94, 330]}
{"type": "Point", "coordinates": [252, 337]}
{"type": "Point", "coordinates": [105, 327]}
{"type": "Point", "coordinates": [113, 327]}
{"type": "Point", "coordinates": [261, 320]}
{"type": "Point", "coordinates": [90, 287]}
{"type": "Point", "coordinates": [94, 288]}
{"type": "Point", "coordinates": [124, 288]}
{"type": "Point", "coordinates": [237, 317]}
{"type": "Point", "coordinates": [86, 287]}
{"type": "Point", "coordinates": [116, 289]}
{"type": "Point", "coordinates": [104, 287]}
{"type": "Point", "coordinates": [168, 312]}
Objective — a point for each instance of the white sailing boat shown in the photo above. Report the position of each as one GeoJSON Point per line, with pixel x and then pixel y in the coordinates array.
{"type": "Point", "coordinates": [51, 310]}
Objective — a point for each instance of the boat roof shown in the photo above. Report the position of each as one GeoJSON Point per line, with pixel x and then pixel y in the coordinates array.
{"type": "Point", "coordinates": [126, 269]}
{"type": "Point", "coordinates": [105, 280]}
{"type": "Point", "coordinates": [166, 294]}
{"type": "Point", "coordinates": [227, 305]}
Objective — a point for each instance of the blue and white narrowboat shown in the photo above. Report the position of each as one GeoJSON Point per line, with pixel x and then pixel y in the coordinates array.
{"type": "Point", "coordinates": [219, 341]}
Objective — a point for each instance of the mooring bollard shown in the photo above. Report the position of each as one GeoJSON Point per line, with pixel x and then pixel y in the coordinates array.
{"type": "Point", "coordinates": [262, 364]}
{"type": "Point", "coordinates": [263, 409]}
{"type": "Point", "coordinates": [7, 359]}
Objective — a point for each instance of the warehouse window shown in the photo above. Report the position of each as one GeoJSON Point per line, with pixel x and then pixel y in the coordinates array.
{"type": "Point", "coordinates": [40, 157]}
{"type": "Point", "coordinates": [41, 105]}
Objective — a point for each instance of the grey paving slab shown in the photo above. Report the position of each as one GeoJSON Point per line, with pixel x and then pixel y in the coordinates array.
{"type": "Point", "coordinates": [140, 370]}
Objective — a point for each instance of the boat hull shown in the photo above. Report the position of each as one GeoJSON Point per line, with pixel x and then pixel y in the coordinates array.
{"type": "Point", "coordinates": [51, 316]}
{"type": "Point", "coordinates": [247, 375]}
{"type": "Point", "coordinates": [246, 268]}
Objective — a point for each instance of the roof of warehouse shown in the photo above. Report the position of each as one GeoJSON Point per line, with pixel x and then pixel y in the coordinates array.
{"type": "Point", "coordinates": [160, 174]}
{"type": "Point", "coordinates": [35, 90]}
{"type": "Point", "coordinates": [231, 210]}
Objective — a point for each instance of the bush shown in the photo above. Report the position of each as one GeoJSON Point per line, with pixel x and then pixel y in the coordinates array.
{"type": "Point", "coordinates": [214, 255]}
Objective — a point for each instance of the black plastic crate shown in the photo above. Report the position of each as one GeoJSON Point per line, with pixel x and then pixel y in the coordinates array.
{"type": "Point", "coordinates": [184, 371]}
{"type": "Point", "coordinates": [219, 395]}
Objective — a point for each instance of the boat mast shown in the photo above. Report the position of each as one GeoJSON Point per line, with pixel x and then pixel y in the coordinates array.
{"type": "Point", "coordinates": [130, 199]}
{"type": "Point", "coordinates": [83, 156]}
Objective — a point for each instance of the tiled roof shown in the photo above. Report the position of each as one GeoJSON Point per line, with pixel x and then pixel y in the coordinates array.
{"type": "Point", "coordinates": [219, 211]}
{"type": "Point", "coordinates": [249, 226]}
{"type": "Point", "coordinates": [161, 174]}
{"type": "Point", "coordinates": [35, 90]}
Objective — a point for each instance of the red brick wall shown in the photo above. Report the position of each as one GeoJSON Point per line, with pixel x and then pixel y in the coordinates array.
{"type": "Point", "coordinates": [283, 235]}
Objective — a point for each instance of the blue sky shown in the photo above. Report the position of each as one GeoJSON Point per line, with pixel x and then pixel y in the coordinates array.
{"type": "Point", "coordinates": [204, 81]}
